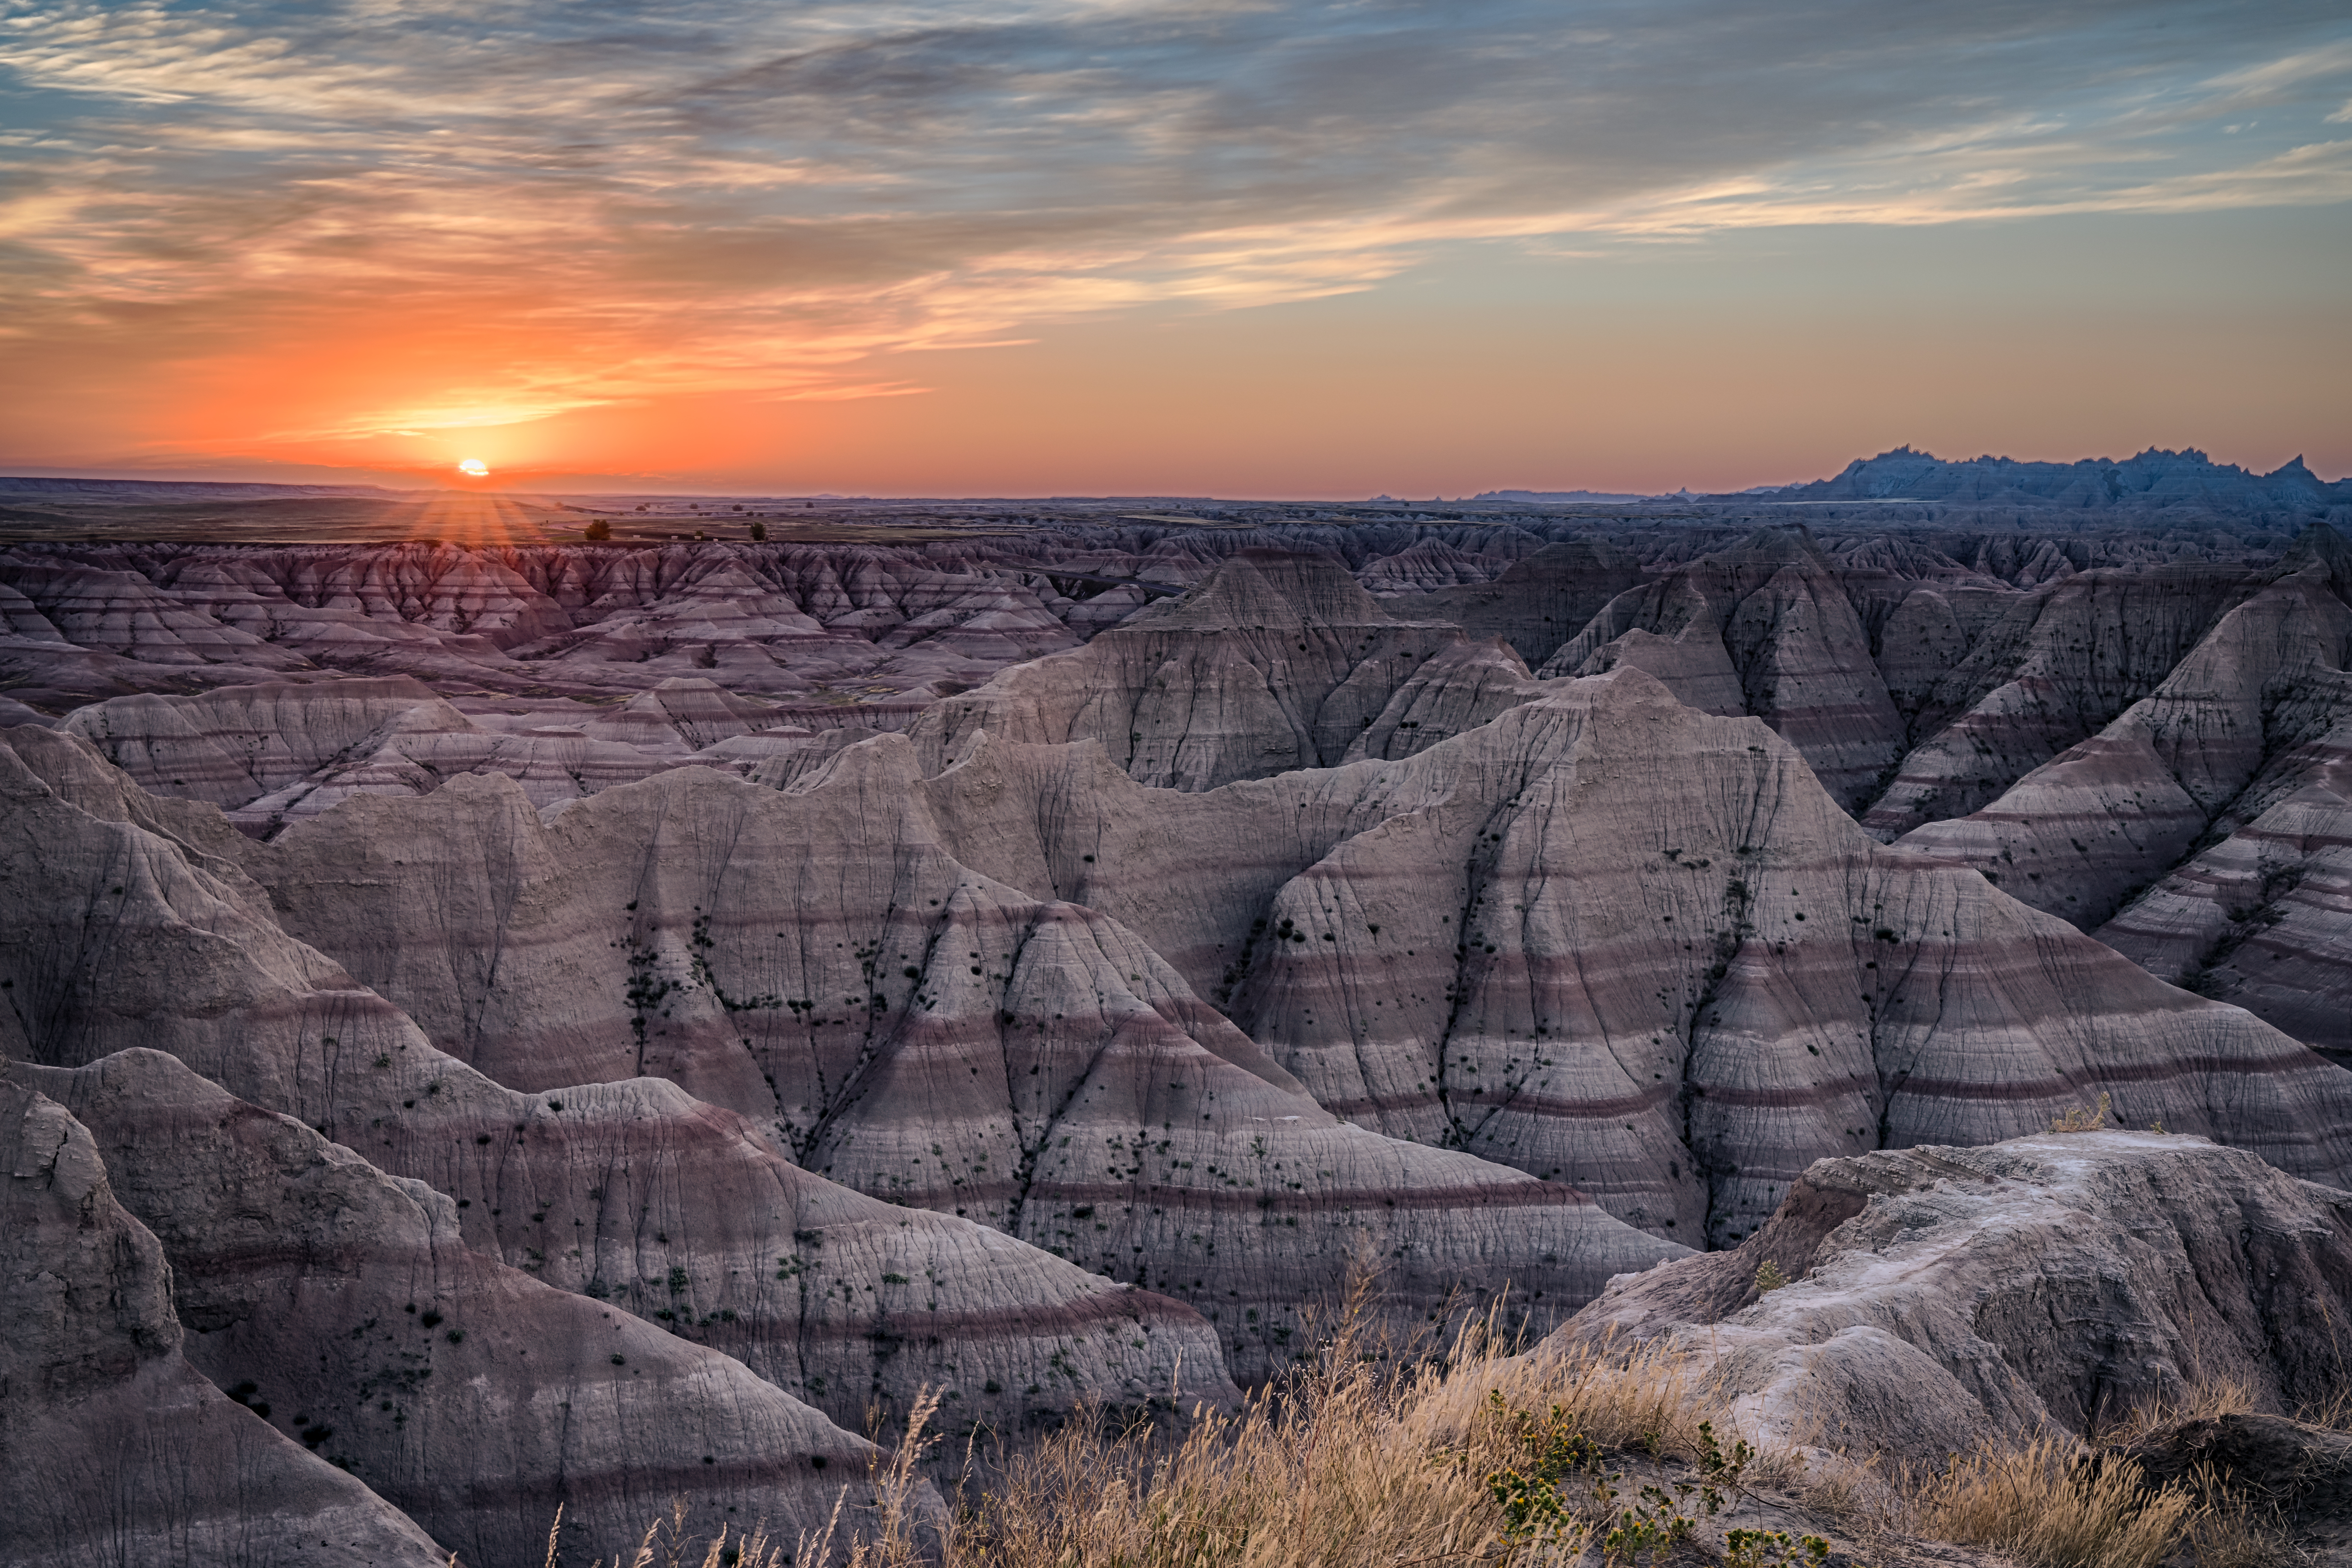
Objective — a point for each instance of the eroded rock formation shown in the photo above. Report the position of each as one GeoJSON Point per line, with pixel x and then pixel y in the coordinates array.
{"type": "Point", "coordinates": [2260, 707]}
{"type": "Point", "coordinates": [1278, 661]}
{"type": "Point", "coordinates": [116, 1448]}
{"type": "Point", "coordinates": [341, 1306]}
{"type": "Point", "coordinates": [1938, 1297]}
{"type": "Point", "coordinates": [580, 962]}
{"type": "Point", "coordinates": [819, 961]}
{"type": "Point", "coordinates": [630, 1192]}
{"type": "Point", "coordinates": [1617, 943]}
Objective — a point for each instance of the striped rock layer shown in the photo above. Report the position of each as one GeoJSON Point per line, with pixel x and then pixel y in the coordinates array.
{"type": "Point", "coordinates": [1765, 629]}
{"type": "Point", "coordinates": [1605, 940]}
{"type": "Point", "coordinates": [817, 961]}
{"type": "Point", "coordinates": [1278, 661]}
{"type": "Point", "coordinates": [123, 927]}
{"type": "Point", "coordinates": [2260, 921]}
{"type": "Point", "coordinates": [339, 1305]}
{"type": "Point", "coordinates": [1616, 942]}
{"type": "Point", "coordinates": [2259, 707]}
{"type": "Point", "coordinates": [116, 1448]}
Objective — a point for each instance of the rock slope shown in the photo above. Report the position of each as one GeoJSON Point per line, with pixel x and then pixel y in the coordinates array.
{"type": "Point", "coordinates": [1765, 629]}
{"type": "Point", "coordinates": [278, 752]}
{"type": "Point", "coordinates": [1278, 661]}
{"type": "Point", "coordinates": [1536, 603]}
{"type": "Point", "coordinates": [1939, 1297]}
{"type": "Point", "coordinates": [2051, 669]}
{"type": "Point", "coordinates": [1604, 939]}
{"type": "Point", "coordinates": [116, 1448]}
{"type": "Point", "coordinates": [341, 1305]}
{"type": "Point", "coordinates": [115, 935]}
{"type": "Point", "coordinates": [2259, 707]}
{"type": "Point", "coordinates": [2260, 921]}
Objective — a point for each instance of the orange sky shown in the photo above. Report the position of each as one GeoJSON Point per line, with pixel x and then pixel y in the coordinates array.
{"type": "Point", "coordinates": [1111, 249]}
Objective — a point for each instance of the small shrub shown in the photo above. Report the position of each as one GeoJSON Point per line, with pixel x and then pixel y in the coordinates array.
{"type": "Point", "coordinates": [2084, 1118]}
{"type": "Point", "coordinates": [1773, 1548]}
{"type": "Point", "coordinates": [1769, 1278]}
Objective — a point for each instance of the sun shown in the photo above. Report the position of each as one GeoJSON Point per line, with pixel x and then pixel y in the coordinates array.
{"type": "Point", "coordinates": [474, 468]}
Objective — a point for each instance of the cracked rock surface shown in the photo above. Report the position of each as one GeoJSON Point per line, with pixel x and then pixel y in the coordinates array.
{"type": "Point", "coordinates": [1941, 1296]}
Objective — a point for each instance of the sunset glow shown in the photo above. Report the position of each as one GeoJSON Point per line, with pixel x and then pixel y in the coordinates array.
{"type": "Point", "coordinates": [1278, 249]}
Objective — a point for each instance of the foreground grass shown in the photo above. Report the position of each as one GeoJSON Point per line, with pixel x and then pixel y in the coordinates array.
{"type": "Point", "coordinates": [1480, 1456]}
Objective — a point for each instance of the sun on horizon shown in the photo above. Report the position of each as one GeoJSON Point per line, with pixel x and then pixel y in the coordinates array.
{"type": "Point", "coordinates": [474, 468]}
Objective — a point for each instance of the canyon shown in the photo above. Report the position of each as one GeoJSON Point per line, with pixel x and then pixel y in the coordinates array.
{"type": "Point", "coordinates": [487, 1025]}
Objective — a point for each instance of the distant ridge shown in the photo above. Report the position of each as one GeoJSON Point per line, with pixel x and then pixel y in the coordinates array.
{"type": "Point", "coordinates": [2156, 478]}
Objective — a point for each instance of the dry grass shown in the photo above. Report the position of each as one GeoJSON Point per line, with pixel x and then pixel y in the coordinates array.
{"type": "Point", "coordinates": [1369, 1459]}
{"type": "Point", "coordinates": [2053, 1504]}
{"type": "Point", "coordinates": [1376, 1456]}
{"type": "Point", "coordinates": [2238, 1532]}
{"type": "Point", "coordinates": [1479, 1455]}
{"type": "Point", "coordinates": [2205, 1399]}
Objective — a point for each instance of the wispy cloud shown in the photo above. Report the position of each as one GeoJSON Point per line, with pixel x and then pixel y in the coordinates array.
{"type": "Point", "coordinates": [630, 199]}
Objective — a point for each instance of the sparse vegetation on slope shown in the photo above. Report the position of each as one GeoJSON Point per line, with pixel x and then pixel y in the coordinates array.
{"type": "Point", "coordinates": [1609, 1459]}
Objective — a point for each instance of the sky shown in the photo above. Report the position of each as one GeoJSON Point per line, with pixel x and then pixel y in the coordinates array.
{"type": "Point", "coordinates": [1239, 248]}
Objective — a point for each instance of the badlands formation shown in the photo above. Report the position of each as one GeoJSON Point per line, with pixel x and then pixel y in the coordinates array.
{"type": "Point", "coordinates": [489, 1027]}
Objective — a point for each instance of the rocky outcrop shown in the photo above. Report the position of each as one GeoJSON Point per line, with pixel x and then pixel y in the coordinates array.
{"type": "Point", "coordinates": [1939, 1297]}
{"type": "Point", "coordinates": [1765, 629]}
{"type": "Point", "coordinates": [2262, 705]}
{"type": "Point", "coordinates": [1278, 661]}
{"type": "Point", "coordinates": [1538, 602]}
{"type": "Point", "coordinates": [1432, 564]}
{"type": "Point", "coordinates": [233, 746]}
{"type": "Point", "coordinates": [628, 1192]}
{"type": "Point", "coordinates": [1622, 945]}
{"type": "Point", "coordinates": [277, 753]}
{"type": "Point", "coordinates": [123, 613]}
{"type": "Point", "coordinates": [116, 1448]}
{"type": "Point", "coordinates": [341, 1305]}
{"type": "Point", "coordinates": [682, 714]}
{"type": "Point", "coordinates": [2053, 669]}
{"type": "Point", "coordinates": [1464, 686]}
{"type": "Point", "coordinates": [2259, 920]}
{"type": "Point", "coordinates": [328, 602]}
{"type": "Point", "coordinates": [814, 626]}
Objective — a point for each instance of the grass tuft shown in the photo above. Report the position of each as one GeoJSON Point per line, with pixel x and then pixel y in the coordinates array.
{"type": "Point", "coordinates": [2052, 1504]}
